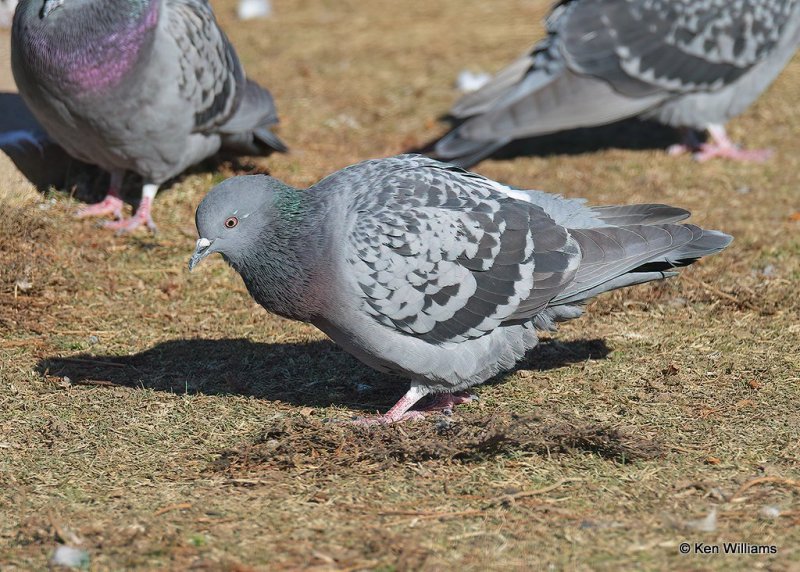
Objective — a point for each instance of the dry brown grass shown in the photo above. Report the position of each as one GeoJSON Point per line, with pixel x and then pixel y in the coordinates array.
{"type": "Point", "coordinates": [162, 420]}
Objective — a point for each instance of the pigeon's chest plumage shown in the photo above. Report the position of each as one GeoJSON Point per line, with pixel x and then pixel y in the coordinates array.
{"type": "Point", "coordinates": [62, 52]}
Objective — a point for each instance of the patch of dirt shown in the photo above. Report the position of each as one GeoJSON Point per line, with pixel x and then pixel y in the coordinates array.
{"type": "Point", "coordinates": [26, 249]}
{"type": "Point", "coordinates": [305, 442]}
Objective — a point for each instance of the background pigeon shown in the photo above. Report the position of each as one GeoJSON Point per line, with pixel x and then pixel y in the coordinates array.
{"type": "Point", "coordinates": [150, 86]}
{"type": "Point", "coordinates": [421, 269]}
{"type": "Point", "coordinates": [253, 9]}
{"type": "Point", "coordinates": [692, 64]}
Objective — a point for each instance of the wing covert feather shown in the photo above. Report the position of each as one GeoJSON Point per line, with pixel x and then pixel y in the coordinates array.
{"type": "Point", "coordinates": [441, 254]}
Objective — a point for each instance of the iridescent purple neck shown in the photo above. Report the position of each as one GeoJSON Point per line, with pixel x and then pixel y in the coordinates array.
{"type": "Point", "coordinates": [106, 62]}
{"type": "Point", "coordinates": [92, 47]}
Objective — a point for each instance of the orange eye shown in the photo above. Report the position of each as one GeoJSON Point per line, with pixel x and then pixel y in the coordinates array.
{"type": "Point", "coordinates": [231, 222]}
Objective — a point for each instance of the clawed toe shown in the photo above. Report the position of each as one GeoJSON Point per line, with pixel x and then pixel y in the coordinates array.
{"type": "Point", "coordinates": [708, 151]}
{"type": "Point", "coordinates": [387, 419]}
{"type": "Point", "coordinates": [127, 226]}
{"type": "Point", "coordinates": [108, 206]}
{"type": "Point", "coordinates": [442, 403]}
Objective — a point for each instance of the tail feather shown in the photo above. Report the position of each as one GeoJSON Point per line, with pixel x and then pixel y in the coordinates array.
{"type": "Point", "coordinates": [639, 214]}
{"type": "Point", "coordinates": [496, 88]}
{"type": "Point", "coordinates": [614, 257]}
{"type": "Point", "coordinates": [248, 131]}
{"type": "Point", "coordinates": [539, 104]}
{"type": "Point", "coordinates": [267, 137]}
{"type": "Point", "coordinates": [256, 109]}
{"type": "Point", "coordinates": [464, 153]}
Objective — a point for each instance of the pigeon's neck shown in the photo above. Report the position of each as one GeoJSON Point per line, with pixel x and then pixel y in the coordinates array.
{"type": "Point", "coordinates": [92, 46]}
{"type": "Point", "coordinates": [284, 272]}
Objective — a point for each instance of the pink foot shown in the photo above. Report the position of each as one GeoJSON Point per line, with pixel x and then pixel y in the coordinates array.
{"type": "Point", "coordinates": [387, 420]}
{"type": "Point", "coordinates": [444, 402]}
{"type": "Point", "coordinates": [111, 205]}
{"type": "Point", "coordinates": [441, 403]}
{"type": "Point", "coordinates": [710, 151]}
{"type": "Point", "coordinates": [719, 145]}
{"type": "Point", "coordinates": [142, 217]}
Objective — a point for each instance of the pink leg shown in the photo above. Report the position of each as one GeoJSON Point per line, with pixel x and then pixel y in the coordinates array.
{"type": "Point", "coordinates": [400, 412]}
{"type": "Point", "coordinates": [719, 146]}
{"type": "Point", "coordinates": [111, 205]}
{"type": "Point", "coordinates": [142, 215]}
{"type": "Point", "coordinates": [722, 146]}
{"type": "Point", "coordinates": [441, 403]}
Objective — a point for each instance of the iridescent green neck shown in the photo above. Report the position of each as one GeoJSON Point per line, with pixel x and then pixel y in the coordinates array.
{"type": "Point", "coordinates": [290, 203]}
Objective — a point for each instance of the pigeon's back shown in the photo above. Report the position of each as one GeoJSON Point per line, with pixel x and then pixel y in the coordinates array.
{"type": "Point", "coordinates": [687, 63]}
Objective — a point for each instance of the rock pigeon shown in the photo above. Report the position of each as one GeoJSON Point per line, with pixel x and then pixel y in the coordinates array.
{"type": "Point", "coordinates": [690, 64]}
{"type": "Point", "coordinates": [149, 86]}
{"type": "Point", "coordinates": [421, 269]}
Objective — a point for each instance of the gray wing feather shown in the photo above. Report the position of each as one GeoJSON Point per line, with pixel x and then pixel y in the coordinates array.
{"type": "Point", "coordinates": [497, 88]}
{"type": "Point", "coordinates": [448, 256]}
{"type": "Point", "coordinates": [212, 80]}
{"type": "Point", "coordinates": [573, 213]}
{"type": "Point", "coordinates": [639, 214]}
{"type": "Point", "coordinates": [214, 84]}
{"type": "Point", "coordinates": [443, 255]}
{"type": "Point", "coordinates": [613, 257]}
{"type": "Point", "coordinates": [539, 105]}
{"type": "Point", "coordinates": [645, 46]}
{"type": "Point", "coordinates": [607, 60]}
{"type": "Point", "coordinates": [256, 109]}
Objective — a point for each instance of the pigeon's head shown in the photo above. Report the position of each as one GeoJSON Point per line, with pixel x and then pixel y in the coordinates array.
{"type": "Point", "coordinates": [233, 215]}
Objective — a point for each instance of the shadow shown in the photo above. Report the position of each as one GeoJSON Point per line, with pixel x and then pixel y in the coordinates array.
{"type": "Point", "coordinates": [47, 165]}
{"type": "Point", "coordinates": [44, 166]}
{"type": "Point", "coordinates": [630, 134]}
{"type": "Point", "coordinates": [315, 374]}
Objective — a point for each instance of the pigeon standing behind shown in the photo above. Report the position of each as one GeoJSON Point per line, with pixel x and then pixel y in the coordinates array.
{"type": "Point", "coordinates": [150, 86]}
{"type": "Point", "coordinates": [692, 64]}
{"type": "Point", "coordinates": [423, 270]}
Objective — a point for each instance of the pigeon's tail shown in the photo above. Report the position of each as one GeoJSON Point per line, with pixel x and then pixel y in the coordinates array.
{"type": "Point", "coordinates": [618, 256]}
{"type": "Point", "coordinates": [248, 131]}
{"type": "Point", "coordinates": [266, 137]}
{"type": "Point", "coordinates": [537, 102]}
{"type": "Point", "coordinates": [465, 153]}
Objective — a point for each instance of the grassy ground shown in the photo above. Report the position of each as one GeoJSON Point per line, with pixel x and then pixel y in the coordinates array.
{"type": "Point", "coordinates": [161, 420]}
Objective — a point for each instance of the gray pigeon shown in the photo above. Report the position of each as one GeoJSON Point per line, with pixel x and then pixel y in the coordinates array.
{"type": "Point", "coordinates": [423, 270]}
{"type": "Point", "coordinates": [691, 64]}
{"type": "Point", "coordinates": [149, 86]}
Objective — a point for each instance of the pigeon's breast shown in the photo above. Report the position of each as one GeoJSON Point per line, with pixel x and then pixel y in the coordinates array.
{"type": "Point", "coordinates": [65, 53]}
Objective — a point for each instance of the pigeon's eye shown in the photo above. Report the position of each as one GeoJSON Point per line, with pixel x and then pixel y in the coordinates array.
{"type": "Point", "coordinates": [231, 222]}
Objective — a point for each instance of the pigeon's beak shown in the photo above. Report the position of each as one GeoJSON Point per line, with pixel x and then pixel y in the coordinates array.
{"type": "Point", "coordinates": [49, 6]}
{"type": "Point", "coordinates": [202, 250]}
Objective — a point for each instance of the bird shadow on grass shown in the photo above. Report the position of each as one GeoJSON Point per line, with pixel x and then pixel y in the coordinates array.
{"type": "Point", "coordinates": [631, 134]}
{"type": "Point", "coordinates": [315, 374]}
{"type": "Point", "coordinates": [41, 161]}
{"type": "Point", "coordinates": [48, 166]}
